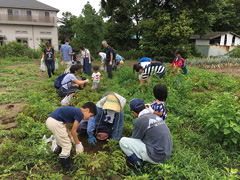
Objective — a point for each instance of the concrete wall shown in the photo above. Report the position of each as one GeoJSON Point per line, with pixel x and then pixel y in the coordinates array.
{"type": "Point", "coordinates": [203, 50]}
{"type": "Point", "coordinates": [215, 50]}
{"type": "Point", "coordinates": [202, 42]}
{"type": "Point", "coordinates": [33, 31]}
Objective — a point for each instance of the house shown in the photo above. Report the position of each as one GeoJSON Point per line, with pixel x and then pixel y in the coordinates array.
{"type": "Point", "coordinates": [216, 43]}
{"type": "Point", "coordinates": [28, 21]}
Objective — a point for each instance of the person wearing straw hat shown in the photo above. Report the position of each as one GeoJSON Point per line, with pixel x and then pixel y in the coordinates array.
{"type": "Point", "coordinates": [151, 139]}
{"type": "Point", "coordinates": [108, 122]}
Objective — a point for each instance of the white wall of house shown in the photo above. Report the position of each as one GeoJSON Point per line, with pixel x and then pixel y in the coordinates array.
{"type": "Point", "coordinates": [229, 39]}
{"type": "Point", "coordinates": [202, 42]}
{"type": "Point", "coordinates": [237, 41]}
{"type": "Point", "coordinates": [32, 31]}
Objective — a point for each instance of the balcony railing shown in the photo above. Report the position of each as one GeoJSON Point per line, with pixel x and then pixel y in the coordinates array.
{"type": "Point", "coordinates": [26, 18]}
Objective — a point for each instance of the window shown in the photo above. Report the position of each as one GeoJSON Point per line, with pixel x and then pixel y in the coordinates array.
{"type": "Point", "coordinates": [49, 33]}
{"type": "Point", "coordinates": [14, 12]}
{"type": "Point", "coordinates": [43, 41]}
{"type": "Point", "coordinates": [21, 32]}
{"type": "Point", "coordinates": [44, 13]}
{"type": "Point", "coordinates": [22, 41]}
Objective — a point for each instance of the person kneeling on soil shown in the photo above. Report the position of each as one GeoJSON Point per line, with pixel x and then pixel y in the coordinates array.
{"type": "Point", "coordinates": [151, 139]}
{"type": "Point", "coordinates": [58, 122]}
{"type": "Point", "coordinates": [109, 119]}
{"type": "Point", "coordinates": [148, 70]}
{"type": "Point", "coordinates": [70, 83]}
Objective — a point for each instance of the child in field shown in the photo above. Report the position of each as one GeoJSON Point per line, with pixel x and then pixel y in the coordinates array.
{"type": "Point", "coordinates": [158, 105]}
{"type": "Point", "coordinates": [96, 78]}
{"type": "Point", "coordinates": [74, 56]}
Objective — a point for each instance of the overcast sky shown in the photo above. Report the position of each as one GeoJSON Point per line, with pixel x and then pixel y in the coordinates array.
{"type": "Point", "coordinates": [73, 6]}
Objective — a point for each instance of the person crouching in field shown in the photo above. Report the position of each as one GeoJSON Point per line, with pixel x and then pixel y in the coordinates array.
{"type": "Point", "coordinates": [151, 139]}
{"type": "Point", "coordinates": [58, 123]}
{"type": "Point", "coordinates": [96, 78]}
{"type": "Point", "coordinates": [70, 83]}
{"type": "Point", "coordinates": [48, 56]}
{"type": "Point", "coordinates": [148, 70]}
{"type": "Point", "coordinates": [158, 105]}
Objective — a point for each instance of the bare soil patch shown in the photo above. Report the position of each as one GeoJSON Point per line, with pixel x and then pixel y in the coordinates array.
{"type": "Point", "coordinates": [197, 90]}
{"type": "Point", "coordinates": [234, 71]}
{"type": "Point", "coordinates": [8, 113]}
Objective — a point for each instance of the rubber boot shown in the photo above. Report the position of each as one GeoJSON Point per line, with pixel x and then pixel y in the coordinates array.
{"type": "Point", "coordinates": [133, 159]}
{"type": "Point", "coordinates": [66, 166]}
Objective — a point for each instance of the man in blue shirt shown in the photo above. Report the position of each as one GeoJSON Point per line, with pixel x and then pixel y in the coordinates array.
{"type": "Point", "coordinates": [109, 58]}
{"type": "Point", "coordinates": [58, 122]}
{"type": "Point", "coordinates": [66, 55]}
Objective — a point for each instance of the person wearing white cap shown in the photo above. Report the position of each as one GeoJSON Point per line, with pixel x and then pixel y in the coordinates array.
{"type": "Point", "coordinates": [151, 139]}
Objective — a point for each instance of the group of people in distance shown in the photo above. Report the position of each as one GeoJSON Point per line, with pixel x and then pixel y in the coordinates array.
{"type": "Point", "coordinates": [151, 140]}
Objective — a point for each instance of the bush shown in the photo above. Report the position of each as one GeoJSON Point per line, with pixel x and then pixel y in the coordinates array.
{"type": "Point", "coordinates": [15, 49]}
{"type": "Point", "coordinates": [131, 54]}
{"type": "Point", "coordinates": [235, 53]}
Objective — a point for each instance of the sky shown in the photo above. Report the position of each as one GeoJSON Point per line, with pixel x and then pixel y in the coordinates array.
{"type": "Point", "coordinates": [73, 6]}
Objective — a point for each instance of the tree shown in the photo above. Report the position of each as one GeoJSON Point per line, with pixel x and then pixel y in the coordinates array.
{"type": "Point", "coordinates": [89, 29]}
{"type": "Point", "coordinates": [163, 35]}
{"type": "Point", "coordinates": [65, 29]}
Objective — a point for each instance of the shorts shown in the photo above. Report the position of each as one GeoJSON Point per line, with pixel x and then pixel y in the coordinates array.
{"type": "Point", "coordinates": [95, 85]}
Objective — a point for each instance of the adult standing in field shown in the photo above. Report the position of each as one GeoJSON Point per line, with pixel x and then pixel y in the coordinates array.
{"type": "Point", "coordinates": [86, 59]}
{"type": "Point", "coordinates": [58, 123]}
{"type": "Point", "coordinates": [152, 68]}
{"type": "Point", "coordinates": [66, 55]}
{"type": "Point", "coordinates": [109, 58]}
{"type": "Point", "coordinates": [48, 56]}
{"type": "Point", "coordinates": [178, 64]}
{"type": "Point", "coordinates": [151, 139]}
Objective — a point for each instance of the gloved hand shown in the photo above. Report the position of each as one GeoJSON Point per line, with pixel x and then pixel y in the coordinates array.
{"type": "Point", "coordinates": [149, 108]}
{"type": "Point", "coordinates": [110, 63]}
{"type": "Point", "coordinates": [79, 148]}
{"type": "Point", "coordinates": [72, 140]}
{"type": "Point", "coordinates": [92, 141]}
{"type": "Point", "coordinates": [42, 60]}
{"type": "Point", "coordinates": [87, 81]}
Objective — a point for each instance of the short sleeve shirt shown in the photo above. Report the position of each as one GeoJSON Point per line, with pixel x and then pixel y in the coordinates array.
{"type": "Point", "coordinates": [96, 77]}
{"type": "Point", "coordinates": [160, 107]}
{"type": "Point", "coordinates": [67, 114]}
{"type": "Point", "coordinates": [148, 70]}
{"type": "Point", "coordinates": [85, 53]}
{"type": "Point", "coordinates": [108, 53]}
{"type": "Point", "coordinates": [48, 54]}
{"type": "Point", "coordinates": [65, 50]}
{"type": "Point", "coordinates": [103, 56]}
{"type": "Point", "coordinates": [67, 80]}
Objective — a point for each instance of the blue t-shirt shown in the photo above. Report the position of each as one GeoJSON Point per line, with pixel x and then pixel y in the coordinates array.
{"type": "Point", "coordinates": [67, 114]}
{"type": "Point", "coordinates": [144, 59]}
{"type": "Point", "coordinates": [67, 80]}
{"type": "Point", "coordinates": [65, 50]}
{"type": "Point", "coordinates": [119, 58]}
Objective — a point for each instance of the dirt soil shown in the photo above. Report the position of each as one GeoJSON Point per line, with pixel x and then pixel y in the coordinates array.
{"type": "Point", "coordinates": [234, 71]}
{"type": "Point", "coordinates": [8, 113]}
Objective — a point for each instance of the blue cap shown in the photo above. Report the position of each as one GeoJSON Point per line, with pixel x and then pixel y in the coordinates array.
{"type": "Point", "coordinates": [136, 103]}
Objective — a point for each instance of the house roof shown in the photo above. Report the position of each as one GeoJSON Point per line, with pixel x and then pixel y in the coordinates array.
{"type": "Point", "coordinates": [26, 4]}
{"type": "Point", "coordinates": [212, 35]}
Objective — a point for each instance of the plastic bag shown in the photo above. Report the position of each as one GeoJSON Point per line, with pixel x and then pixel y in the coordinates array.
{"type": "Point", "coordinates": [42, 67]}
{"type": "Point", "coordinates": [66, 100]}
{"type": "Point", "coordinates": [56, 65]}
{"type": "Point", "coordinates": [51, 141]}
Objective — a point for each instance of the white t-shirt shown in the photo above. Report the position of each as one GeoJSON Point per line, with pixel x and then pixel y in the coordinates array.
{"type": "Point", "coordinates": [67, 80]}
{"type": "Point", "coordinates": [96, 77]}
{"type": "Point", "coordinates": [85, 53]}
{"type": "Point", "coordinates": [103, 56]}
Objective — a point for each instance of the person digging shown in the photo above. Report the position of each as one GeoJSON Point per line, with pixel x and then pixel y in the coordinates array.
{"type": "Point", "coordinates": [108, 122]}
{"type": "Point", "coordinates": [58, 122]}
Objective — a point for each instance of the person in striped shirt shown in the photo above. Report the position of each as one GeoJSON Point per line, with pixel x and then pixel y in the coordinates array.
{"type": "Point", "coordinates": [147, 71]}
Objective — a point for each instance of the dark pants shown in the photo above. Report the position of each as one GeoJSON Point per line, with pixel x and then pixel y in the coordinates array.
{"type": "Point", "coordinates": [114, 68]}
{"type": "Point", "coordinates": [109, 70]}
{"type": "Point", "coordinates": [87, 66]}
{"type": "Point", "coordinates": [50, 67]}
{"type": "Point", "coordinates": [62, 92]}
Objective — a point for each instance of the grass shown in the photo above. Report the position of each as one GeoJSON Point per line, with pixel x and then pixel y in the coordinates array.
{"type": "Point", "coordinates": [203, 97]}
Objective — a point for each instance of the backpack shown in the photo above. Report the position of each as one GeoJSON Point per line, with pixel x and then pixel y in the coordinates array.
{"type": "Point", "coordinates": [114, 52]}
{"type": "Point", "coordinates": [58, 81]}
{"type": "Point", "coordinates": [184, 67]}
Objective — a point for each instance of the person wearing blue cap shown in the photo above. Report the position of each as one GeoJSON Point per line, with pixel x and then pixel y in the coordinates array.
{"type": "Point", "coordinates": [151, 139]}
